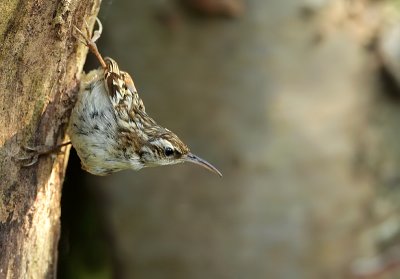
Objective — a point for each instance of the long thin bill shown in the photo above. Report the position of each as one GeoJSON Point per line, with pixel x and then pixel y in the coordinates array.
{"type": "Point", "coordinates": [197, 160]}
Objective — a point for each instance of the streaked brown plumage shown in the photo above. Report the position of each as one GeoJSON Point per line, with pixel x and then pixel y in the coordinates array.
{"type": "Point", "coordinates": [109, 126]}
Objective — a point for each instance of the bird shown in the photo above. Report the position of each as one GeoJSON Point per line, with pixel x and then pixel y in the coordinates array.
{"type": "Point", "coordinates": [109, 126]}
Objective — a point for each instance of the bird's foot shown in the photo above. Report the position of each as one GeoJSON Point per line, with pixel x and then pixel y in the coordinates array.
{"type": "Point", "coordinates": [32, 154]}
{"type": "Point", "coordinates": [90, 41]}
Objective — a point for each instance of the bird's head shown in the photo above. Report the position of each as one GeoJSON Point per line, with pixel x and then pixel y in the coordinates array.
{"type": "Point", "coordinates": [165, 148]}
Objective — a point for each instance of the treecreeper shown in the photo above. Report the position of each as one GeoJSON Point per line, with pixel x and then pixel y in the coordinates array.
{"type": "Point", "coordinates": [109, 126]}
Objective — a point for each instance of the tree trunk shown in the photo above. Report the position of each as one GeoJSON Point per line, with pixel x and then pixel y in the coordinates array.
{"type": "Point", "coordinates": [40, 66]}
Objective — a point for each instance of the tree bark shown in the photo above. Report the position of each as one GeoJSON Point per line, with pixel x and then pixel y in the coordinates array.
{"type": "Point", "coordinates": [40, 67]}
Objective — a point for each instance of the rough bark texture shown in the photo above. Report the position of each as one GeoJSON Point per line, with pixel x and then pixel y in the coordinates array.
{"type": "Point", "coordinates": [40, 65]}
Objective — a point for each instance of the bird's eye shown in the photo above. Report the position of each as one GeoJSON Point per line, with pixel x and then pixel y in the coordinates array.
{"type": "Point", "coordinates": [169, 151]}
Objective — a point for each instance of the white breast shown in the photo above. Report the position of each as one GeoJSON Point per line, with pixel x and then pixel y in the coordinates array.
{"type": "Point", "coordinates": [93, 131]}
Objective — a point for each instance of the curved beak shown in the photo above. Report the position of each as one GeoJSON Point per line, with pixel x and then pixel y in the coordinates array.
{"type": "Point", "coordinates": [197, 160]}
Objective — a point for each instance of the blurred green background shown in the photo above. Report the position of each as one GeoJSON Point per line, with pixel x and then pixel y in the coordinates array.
{"type": "Point", "coordinates": [295, 101]}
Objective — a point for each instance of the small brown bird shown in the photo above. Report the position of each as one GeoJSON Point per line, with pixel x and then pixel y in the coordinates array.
{"type": "Point", "coordinates": [110, 128]}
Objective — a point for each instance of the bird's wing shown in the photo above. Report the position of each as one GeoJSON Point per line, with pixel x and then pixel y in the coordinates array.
{"type": "Point", "coordinates": [122, 91]}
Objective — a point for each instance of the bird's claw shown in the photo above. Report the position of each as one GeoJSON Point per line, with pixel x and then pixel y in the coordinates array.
{"type": "Point", "coordinates": [29, 148]}
{"type": "Point", "coordinates": [97, 33]}
{"type": "Point", "coordinates": [90, 41]}
{"type": "Point", "coordinates": [87, 39]}
{"type": "Point", "coordinates": [31, 158]}
{"type": "Point", "coordinates": [33, 153]}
